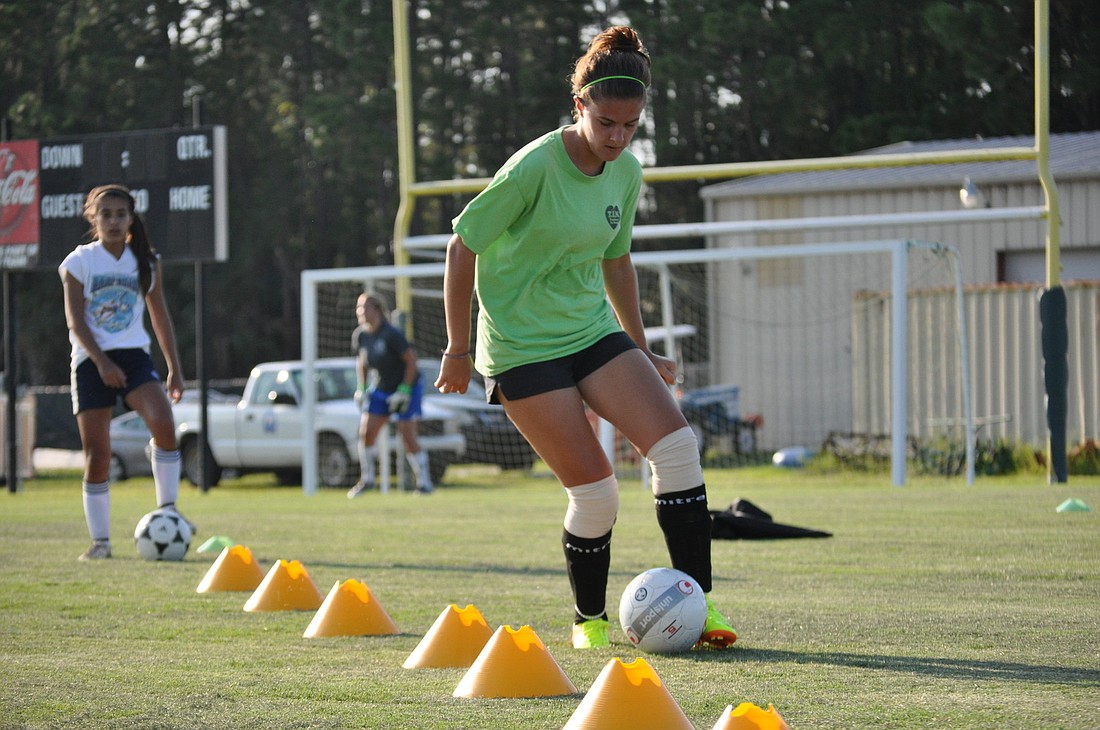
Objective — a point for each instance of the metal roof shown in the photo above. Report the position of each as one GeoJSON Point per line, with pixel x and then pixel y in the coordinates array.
{"type": "Point", "coordinates": [1072, 156]}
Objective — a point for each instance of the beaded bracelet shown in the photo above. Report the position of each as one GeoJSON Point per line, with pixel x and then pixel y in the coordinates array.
{"type": "Point", "coordinates": [455, 355]}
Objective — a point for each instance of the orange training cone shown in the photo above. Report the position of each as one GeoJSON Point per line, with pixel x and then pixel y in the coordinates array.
{"type": "Point", "coordinates": [628, 697]}
{"type": "Point", "coordinates": [350, 610]}
{"type": "Point", "coordinates": [234, 570]}
{"type": "Point", "coordinates": [287, 587]}
{"type": "Point", "coordinates": [747, 716]}
{"type": "Point", "coordinates": [454, 640]}
{"type": "Point", "coordinates": [515, 663]}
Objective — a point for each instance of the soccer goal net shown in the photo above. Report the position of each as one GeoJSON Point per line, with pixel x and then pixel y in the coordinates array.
{"type": "Point", "coordinates": [780, 347]}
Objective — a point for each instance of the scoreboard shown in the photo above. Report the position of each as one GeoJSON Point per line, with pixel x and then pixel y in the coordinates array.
{"type": "Point", "coordinates": [177, 177]}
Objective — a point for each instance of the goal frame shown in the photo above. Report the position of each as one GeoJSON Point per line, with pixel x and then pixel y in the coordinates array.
{"type": "Point", "coordinates": [897, 249]}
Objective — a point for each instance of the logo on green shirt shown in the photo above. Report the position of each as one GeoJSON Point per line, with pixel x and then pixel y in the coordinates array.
{"type": "Point", "coordinates": [614, 215]}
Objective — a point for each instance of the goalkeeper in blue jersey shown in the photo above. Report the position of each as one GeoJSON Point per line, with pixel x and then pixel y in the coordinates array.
{"type": "Point", "coordinates": [388, 385]}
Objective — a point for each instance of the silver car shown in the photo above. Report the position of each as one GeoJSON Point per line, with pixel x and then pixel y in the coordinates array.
{"type": "Point", "coordinates": [129, 444]}
{"type": "Point", "coordinates": [131, 455]}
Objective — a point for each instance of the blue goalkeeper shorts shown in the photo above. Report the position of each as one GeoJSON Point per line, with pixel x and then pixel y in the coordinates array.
{"type": "Point", "coordinates": [376, 403]}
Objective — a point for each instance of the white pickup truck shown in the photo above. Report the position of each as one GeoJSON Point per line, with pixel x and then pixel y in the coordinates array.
{"type": "Point", "coordinates": [263, 431]}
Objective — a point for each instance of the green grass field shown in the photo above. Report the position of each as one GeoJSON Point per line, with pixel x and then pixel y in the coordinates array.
{"type": "Point", "coordinates": [935, 605]}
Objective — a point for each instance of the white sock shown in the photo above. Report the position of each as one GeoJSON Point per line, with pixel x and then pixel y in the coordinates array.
{"type": "Point", "coordinates": [419, 464]}
{"type": "Point", "coordinates": [166, 475]}
{"type": "Point", "coordinates": [366, 462]}
{"type": "Point", "coordinates": [97, 509]}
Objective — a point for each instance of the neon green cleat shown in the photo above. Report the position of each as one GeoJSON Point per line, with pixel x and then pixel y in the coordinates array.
{"type": "Point", "coordinates": [591, 634]}
{"type": "Point", "coordinates": [717, 633]}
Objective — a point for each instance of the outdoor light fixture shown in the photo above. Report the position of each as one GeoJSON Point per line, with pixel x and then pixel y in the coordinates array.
{"type": "Point", "coordinates": [971, 196]}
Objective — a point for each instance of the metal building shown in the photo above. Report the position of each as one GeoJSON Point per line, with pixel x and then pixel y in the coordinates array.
{"type": "Point", "coordinates": [803, 338]}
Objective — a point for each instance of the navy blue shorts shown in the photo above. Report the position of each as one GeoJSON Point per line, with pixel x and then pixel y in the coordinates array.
{"type": "Point", "coordinates": [524, 381]}
{"type": "Point", "coordinates": [376, 405]}
{"type": "Point", "coordinates": [88, 389]}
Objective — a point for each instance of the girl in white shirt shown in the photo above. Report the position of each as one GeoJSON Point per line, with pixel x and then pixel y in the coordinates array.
{"type": "Point", "coordinates": [109, 283]}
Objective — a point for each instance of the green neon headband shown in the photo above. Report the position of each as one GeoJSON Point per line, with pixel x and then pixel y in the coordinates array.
{"type": "Point", "coordinates": [608, 78]}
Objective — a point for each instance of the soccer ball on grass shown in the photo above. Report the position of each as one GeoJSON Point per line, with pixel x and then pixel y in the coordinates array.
{"type": "Point", "coordinates": [162, 535]}
{"type": "Point", "coordinates": [663, 611]}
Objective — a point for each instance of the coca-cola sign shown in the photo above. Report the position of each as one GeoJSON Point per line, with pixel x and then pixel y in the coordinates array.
{"type": "Point", "coordinates": [176, 176]}
{"type": "Point", "coordinates": [19, 192]}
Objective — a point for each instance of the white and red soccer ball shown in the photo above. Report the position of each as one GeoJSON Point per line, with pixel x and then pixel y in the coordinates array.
{"type": "Point", "coordinates": [663, 611]}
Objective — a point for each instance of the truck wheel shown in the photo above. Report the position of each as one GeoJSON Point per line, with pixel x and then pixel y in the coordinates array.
{"type": "Point", "coordinates": [117, 471]}
{"type": "Point", "coordinates": [438, 461]}
{"type": "Point", "coordinates": [191, 461]}
{"type": "Point", "coordinates": [333, 462]}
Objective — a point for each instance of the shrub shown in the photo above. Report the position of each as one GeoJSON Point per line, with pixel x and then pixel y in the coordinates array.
{"type": "Point", "coordinates": [946, 456]}
{"type": "Point", "coordinates": [1084, 458]}
{"type": "Point", "coordinates": [1005, 456]}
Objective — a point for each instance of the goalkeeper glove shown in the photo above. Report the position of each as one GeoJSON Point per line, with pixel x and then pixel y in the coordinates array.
{"type": "Point", "coordinates": [398, 402]}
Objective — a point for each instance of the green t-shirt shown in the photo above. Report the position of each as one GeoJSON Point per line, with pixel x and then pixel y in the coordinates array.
{"type": "Point", "coordinates": [541, 230]}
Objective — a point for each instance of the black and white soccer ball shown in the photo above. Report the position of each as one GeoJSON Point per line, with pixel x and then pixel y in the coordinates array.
{"type": "Point", "coordinates": [663, 611]}
{"type": "Point", "coordinates": [162, 535]}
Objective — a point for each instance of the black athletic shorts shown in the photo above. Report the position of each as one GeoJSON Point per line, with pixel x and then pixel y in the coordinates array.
{"type": "Point", "coordinates": [524, 381]}
{"type": "Point", "coordinates": [89, 390]}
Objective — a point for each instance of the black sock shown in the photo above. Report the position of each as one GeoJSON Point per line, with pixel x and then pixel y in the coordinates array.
{"type": "Point", "coordinates": [685, 521]}
{"type": "Point", "coordinates": [587, 560]}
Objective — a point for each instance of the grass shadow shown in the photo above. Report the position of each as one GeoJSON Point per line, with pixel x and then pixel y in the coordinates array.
{"type": "Point", "coordinates": [468, 568]}
{"type": "Point", "coordinates": [961, 669]}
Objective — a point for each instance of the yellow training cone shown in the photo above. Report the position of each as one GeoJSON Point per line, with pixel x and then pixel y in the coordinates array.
{"type": "Point", "coordinates": [454, 640]}
{"type": "Point", "coordinates": [234, 570]}
{"type": "Point", "coordinates": [287, 587]}
{"type": "Point", "coordinates": [514, 663]}
{"type": "Point", "coordinates": [747, 716]}
{"type": "Point", "coordinates": [628, 697]}
{"type": "Point", "coordinates": [350, 610]}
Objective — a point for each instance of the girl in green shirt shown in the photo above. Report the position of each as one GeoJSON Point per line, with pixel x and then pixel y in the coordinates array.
{"type": "Point", "coordinates": [547, 247]}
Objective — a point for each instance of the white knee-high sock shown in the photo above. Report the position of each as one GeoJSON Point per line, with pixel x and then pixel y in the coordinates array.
{"type": "Point", "coordinates": [166, 475]}
{"type": "Point", "coordinates": [366, 462]}
{"type": "Point", "coordinates": [97, 509]}
{"type": "Point", "coordinates": [419, 464]}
